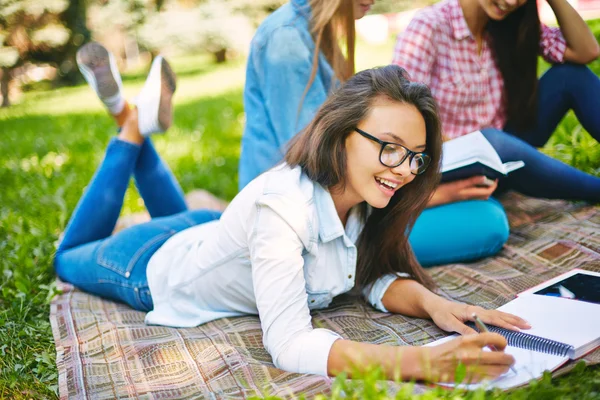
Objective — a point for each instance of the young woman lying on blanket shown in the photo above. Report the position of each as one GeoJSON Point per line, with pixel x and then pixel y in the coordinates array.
{"type": "Point", "coordinates": [329, 219]}
{"type": "Point", "coordinates": [480, 59]}
{"type": "Point", "coordinates": [295, 62]}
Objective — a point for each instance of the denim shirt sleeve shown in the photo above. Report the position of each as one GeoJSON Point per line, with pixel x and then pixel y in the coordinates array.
{"type": "Point", "coordinates": [280, 292]}
{"type": "Point", "coordinates": [374, 292]}
{"type": "Point", "coordinates": [288, 64]}
{"type": "Point", "coordinates": [282, 66]}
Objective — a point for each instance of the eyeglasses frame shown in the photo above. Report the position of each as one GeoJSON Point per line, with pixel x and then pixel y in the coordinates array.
{"type": "Point", "coordinates": [409, 153]}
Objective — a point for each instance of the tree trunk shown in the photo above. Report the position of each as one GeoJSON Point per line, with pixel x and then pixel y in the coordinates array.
{"type": "Point", "coordinates": [75, 19]}
{"type": "Point", "coordinates": [4, 81]}
{"type": "Point", "coordinates": [220, 56]}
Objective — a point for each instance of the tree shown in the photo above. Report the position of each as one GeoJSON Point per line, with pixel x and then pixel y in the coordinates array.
{"type": "Point", "coordinates": [39, 31]}
{"type": "Point", "coordinates": [210, 26]}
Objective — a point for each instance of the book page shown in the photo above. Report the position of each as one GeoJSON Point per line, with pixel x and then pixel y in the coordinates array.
{"type": "Point", "coordinates": [565, 320]}
{"type": "Point", "coordinates": [528, 365]}
{"type": "Point", "coordinates": [468, 149]}
{"type": "Point", "coordinates": [513, 165]}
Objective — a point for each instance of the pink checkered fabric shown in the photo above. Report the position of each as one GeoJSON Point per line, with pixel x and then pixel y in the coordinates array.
{"type": "Point", "coordinates": [438, 49]}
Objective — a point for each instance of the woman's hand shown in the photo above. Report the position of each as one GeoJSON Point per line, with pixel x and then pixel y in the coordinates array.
{"type": "Point", "coordinates": [451, 317]}
{"type": "Point", "coordinates": [439, 363]}
{"type": "Point", "coordinates": [474, 188]}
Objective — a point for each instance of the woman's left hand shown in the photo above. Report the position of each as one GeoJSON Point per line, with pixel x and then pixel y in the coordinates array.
{"type": "Point", "coordinates": [451, 317]}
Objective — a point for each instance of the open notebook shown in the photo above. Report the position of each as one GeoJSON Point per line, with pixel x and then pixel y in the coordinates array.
{"type": "Point", "coordinates": [472, 155]}
{"type": "Point", "coordinates": [565, 325]}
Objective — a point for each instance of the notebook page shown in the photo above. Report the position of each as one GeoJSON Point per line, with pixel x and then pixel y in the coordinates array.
{"type": "Point", "coordinates": [528, 365]}
{"type": "Point", "coordinates": [568, 321]}
{"type": "Point", "coordinates": [468, 149]}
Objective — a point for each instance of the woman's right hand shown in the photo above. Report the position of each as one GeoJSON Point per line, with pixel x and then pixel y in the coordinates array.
{"type": "Point", "coordinates": [440, 362]}
{"type": "Point", "coordinates": [473, 188]}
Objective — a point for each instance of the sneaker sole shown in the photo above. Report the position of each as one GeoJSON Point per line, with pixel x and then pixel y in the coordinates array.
{"type": "Point", "coordinates": [167, 89]}
{"type": "Point", "coordinates": [95, 59]}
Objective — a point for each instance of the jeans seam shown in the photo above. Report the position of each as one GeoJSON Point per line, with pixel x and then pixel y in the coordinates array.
{"type": "Point", "coordinates": [138, 296]}
{"type": "Point", "coordinates": [103, 262]}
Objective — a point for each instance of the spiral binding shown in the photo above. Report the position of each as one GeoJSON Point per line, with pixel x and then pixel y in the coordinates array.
{"type": "Point", "coordinates": [531, 342]}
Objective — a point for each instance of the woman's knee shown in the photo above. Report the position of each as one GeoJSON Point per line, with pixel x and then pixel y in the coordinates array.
{"type": "Point", "coordinates": [508, 146]}
{"type": "Point", "coordinates": [460, 232]}
{"type": "Point", "coordinates": [568, 72]}
{"type": "Point", "coordinates": [497, 229]}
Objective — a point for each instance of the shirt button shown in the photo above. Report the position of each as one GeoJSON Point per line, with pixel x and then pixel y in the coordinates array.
{"type": "Point", "coordinates": [312, 301]}
{"type": "Point", "coordinates": [350, 276]}
{"type": "Point", "coordinates": [127, 274]}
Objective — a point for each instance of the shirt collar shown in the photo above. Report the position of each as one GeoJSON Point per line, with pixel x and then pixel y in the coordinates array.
{"type": "Point", "coordinates": [302, 7]}
{"type": "Point", "coordinates": [330, 226]}
{"type": "Point", "coordinates": [460, 28]}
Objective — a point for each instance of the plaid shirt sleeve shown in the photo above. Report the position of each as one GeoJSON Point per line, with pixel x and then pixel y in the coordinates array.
{"type": "Point", "coordinates": [552, 45]}
{"type": "Point", "coordinates": [415, 50]}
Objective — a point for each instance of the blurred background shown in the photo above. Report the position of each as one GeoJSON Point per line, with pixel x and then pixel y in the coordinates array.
{"type": "Point", "coordinates": [38, 39]}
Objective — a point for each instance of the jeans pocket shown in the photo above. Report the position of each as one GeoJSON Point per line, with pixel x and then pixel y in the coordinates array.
{"type": "Point", "coordinates": [121, 252]}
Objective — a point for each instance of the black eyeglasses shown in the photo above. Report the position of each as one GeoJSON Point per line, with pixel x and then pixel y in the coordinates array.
{"type": "Point", "coordinates": [393, 154]}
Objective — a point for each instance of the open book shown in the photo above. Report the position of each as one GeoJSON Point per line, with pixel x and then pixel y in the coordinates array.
{"type": "Point", "coordinates": [565, 317]}
{"type": "Point", "coordinates": [472, 155]}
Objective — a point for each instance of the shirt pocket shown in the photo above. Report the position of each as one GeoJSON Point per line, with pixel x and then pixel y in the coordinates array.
{"type": "Point", "coordinates": [460, 88]}
{"type": "Point", "coordinates": [318, 299]}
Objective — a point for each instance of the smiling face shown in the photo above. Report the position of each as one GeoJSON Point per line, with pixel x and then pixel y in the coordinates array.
{"type": "Point", "coordinates": [362, 7]}
{"type": "Point", "coordinates": [366, 178]}
{"type": "Point", "coordinates": [500, 9]}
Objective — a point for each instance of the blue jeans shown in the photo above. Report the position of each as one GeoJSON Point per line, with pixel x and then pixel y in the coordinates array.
{"type": "Point", "coordinates": [115, 266]}
{"type": "Point", "coordinates": [466, 231]}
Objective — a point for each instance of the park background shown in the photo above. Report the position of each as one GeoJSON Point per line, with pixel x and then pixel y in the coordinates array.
{"type": "Point", "coordinates": [53, 131]}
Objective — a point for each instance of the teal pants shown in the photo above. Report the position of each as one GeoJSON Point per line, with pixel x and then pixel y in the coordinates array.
{"type": "Point", "coordinates": [459, 232]}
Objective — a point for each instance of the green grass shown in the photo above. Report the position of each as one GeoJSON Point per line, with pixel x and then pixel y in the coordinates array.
{"type": "Point", "coordinates": [50, 145]}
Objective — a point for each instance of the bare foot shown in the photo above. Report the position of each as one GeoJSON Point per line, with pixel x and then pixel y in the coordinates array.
{"type": "Point", "coordinates": [130, 131]}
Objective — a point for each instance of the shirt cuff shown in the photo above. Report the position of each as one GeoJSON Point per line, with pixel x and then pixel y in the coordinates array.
{"type": "Point", "coordinates": [374, 293]}
{"type": "Point", "coordinates": [316, 355]}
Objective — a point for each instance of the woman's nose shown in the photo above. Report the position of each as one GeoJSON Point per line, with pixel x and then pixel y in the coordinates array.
{"type": "Point", "coordinates": [403, 169]}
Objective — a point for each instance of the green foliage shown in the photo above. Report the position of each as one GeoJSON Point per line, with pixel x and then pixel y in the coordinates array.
{"type": "Point", "coordinates": [211, 26]}
{"type": "Point", "coordinates": [127, 15]}
{"type": "Point", "coordinates": [30, 25]}
{"type": "Point", "coordinates": [39, 31]}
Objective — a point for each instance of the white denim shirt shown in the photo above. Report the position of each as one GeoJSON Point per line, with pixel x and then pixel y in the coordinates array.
{"type": "Point", "coordinates": [279, 250]}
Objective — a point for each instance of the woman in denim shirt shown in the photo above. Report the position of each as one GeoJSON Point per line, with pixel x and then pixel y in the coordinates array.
{"type": "Point", "coordinates": [320, 224]}
{"type": "Point", "coordinates": [286, 84]}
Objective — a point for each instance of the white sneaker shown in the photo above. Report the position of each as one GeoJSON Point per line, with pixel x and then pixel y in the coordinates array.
{"type": "Point", "coordinates": [98, 67]}
{"type": "Point", "coordinates": [155, 109]}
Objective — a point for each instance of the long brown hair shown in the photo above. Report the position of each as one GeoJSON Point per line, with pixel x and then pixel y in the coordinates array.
{"type": "Point", "coordinates": [383, 246]}
{"type": "Point", "coordinates": [515, 42]}
{"type": "Point", "coordinates": [332, 23]}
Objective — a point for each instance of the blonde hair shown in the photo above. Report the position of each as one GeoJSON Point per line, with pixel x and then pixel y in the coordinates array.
{"type": "Point", "coordinates": [332, 24]}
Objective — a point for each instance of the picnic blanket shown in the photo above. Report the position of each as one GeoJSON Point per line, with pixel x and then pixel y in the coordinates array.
{"type": "Point", "coordinates": [105, 351]}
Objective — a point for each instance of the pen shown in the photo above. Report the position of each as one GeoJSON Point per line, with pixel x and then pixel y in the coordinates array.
{"type": "Point", "coordinates": [482, 328]}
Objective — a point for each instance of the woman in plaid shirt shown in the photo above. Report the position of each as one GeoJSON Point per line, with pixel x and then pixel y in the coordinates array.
{"type": "Point", "coordinates": [479, 57]}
